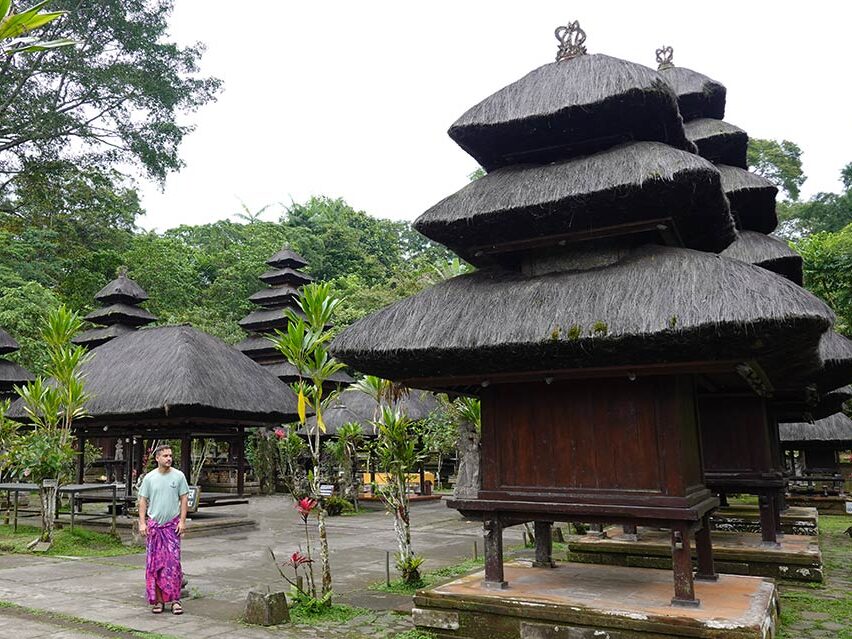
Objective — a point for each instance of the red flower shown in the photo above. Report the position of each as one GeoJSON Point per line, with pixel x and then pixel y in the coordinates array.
{"type": "Point", "coordinates": [280, 433]}
{"type": "Point", "coordinates": [298, 559]}
{"type": "Point", "coordinates": [305, 505]}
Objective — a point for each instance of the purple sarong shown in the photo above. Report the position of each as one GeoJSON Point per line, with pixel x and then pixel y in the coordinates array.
{"type": "Point", "coordinates": [162, 565]}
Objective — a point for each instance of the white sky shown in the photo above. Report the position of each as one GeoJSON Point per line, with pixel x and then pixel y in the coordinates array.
{"type": "Point", "coordinates": [353, 99]}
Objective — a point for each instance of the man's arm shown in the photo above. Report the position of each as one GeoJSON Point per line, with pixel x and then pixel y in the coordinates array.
{"type": "Point", "coordinates": [143, 510]}
{"type": "Point", "coordinates": [184, 506]}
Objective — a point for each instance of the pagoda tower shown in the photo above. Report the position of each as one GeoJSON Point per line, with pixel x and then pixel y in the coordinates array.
{"type": "Point", "coordinates": [598, 303]}
{"type": "Point", "coordinates": [120, 312]}
{"type": "Point", "coordinates": [283, 280]}
{"type": "Point", "coordinates": [11, 374]}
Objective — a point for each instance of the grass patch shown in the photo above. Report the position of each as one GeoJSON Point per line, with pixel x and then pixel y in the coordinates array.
{"type": "Point", "coordinates": [399, 587]}
{"type": "Point", "coordinates": [834, 524]}
{"type": "Point", "coordinates": [79, 543]}
{"type": "Point", "coordinates": [333, 613]}
{"type": "Point", "coordinates": [78, 623]}
{"type": "Point", "coordinates": [413, 634]}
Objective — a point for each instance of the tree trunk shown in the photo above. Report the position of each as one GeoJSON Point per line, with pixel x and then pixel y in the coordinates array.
{"type": "Point", "coordinates": [324, 555]}
{"type": "Point", "coordinates": [48, 511]}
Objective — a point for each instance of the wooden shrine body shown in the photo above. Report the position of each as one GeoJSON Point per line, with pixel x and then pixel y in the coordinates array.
{"type": "Point", "coordinates": [595, 450]}
{"type": "Point", "coordinates": [742, 453]}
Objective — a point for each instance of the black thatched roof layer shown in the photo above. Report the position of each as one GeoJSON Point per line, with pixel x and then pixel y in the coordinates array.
{"type": "Point", "coordinates": [290, 276]}
{"type": "Point", "coordinates": [768, 252]}
{"type": "Point", "coordinates": [7, 343]}
{"type": "Point", "coordinates": [121, 289]}
{"type": "Point", "coordinates": [752, 199]}
{"type": "Point", "coordinates": [632, 183]}
{"type": "Point", "coordinates": [287, 257]}
{"type": "Point", "coordinates": [276, 295]}
{"type": "Point", "coordinates": [652, 304]}
{"type": "Point", "coordinates": [12, 373]}
{"type": "Point", "coordinates": [832, 402]}
{"type": "Point", "coordinates": [835, 351]}
{"type": "Point", "coordinates": [267, 318]}
{"type": "Point", "coordinates": [697, 95]}
{"type": "Point", "coordinates": [256, 346]}
{"type": "Point", "coordinates": [718, 141]}
{"type": "Point", "coordinates": [836, 428]}
{"type": "Point", "coordinates": [354, 406]}
{"type": "Point", "coordinates": [180, 372]}
{"type": "Point", "coordinates": [288, 373]}
{"type": "Point", "coordinates": [94, 337]}
{"type": "Point", "coordinates": [570, 108]}
{"type": "Point", "coordinates": [120, 314]}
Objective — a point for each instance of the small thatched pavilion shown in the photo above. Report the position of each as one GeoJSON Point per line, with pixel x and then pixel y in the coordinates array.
{"type": "Point", "coordinates": [586, 336]}
{"type": "Point", "coordinates": [819, 444]}
{"type": "Point", "coordinates": [11, 374]}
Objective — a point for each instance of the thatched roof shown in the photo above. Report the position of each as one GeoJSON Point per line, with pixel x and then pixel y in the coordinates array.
{"type": "Point", "coordinates": [275, 295]}
{"type": "Point", "coordinates": [287, 257]}
{"type": "Point", "coordinates": [832, 402]}
{"type": "Point", "coordinates": [767, 252]}
{"type": "Point", "coordinates": [256, 345]}
{"type": "Point", "coordinates": [718, 141]}
{"type": "Point", "coordinates": [570, 108]}
{"type": "Point", "coordinates": [12, 373]}
{"type": "Point", "coordinates": [121, 289]}
{"type": "Point", "coordinates": [752, 199]}
{"type": "Point", "coordinates": [352, 405]}
{"type": "Point", "coordinates": [94, 337]}
{"type": "Point", "coordinates": [180, 372]}
{"type": "Point", "coordinates": [7, 343]}
{"type": "Point", "coordinates": [836, 428]}
{"type": "Point", "coordinates": [697, 95]}
{"type": "Point", "coordinates": [286, 276]}
{"type": "Point", "coordinates": [632, 183]}
{"type": "Point", "coordinates": [120, 314]}
{"type": "Point", "coordinates": [649, 305]}
{"type": "Point", "coordinates": [267, 318]}
{"type": "Point", "coordinates": [835, 351]}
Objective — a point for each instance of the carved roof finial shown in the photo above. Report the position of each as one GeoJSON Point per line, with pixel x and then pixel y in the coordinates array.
{"type": "Point", "coordinates": [664, 58]}
{"type": "Point", "coordinates": [571, 38]}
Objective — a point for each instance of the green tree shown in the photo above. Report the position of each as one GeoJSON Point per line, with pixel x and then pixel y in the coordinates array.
{"type": "Point", "coordinates": [24, 310]}
{"type": "Point", "coordinates": [828, 271]}
{"type": "Point", "coordinates": [779, 162]}
{"type": "Point", "coordinates": [14, 28]}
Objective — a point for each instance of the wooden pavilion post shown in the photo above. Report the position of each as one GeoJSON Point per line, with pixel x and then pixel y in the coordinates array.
{"type": "Point", "coordinates": [240, 444]}
{"type": "Point", "coordinates": [493, 542]}
{"type": "Point", "coordinates": [81, 461]}
{"type": "Point", "coordinates": [682, 566]}
{"type": "Point", "coordinates": [186, 454]}
{"type": "Point", "coordinates": [704, 546]}
{"type": "Point", "coordinates": [544, 545]}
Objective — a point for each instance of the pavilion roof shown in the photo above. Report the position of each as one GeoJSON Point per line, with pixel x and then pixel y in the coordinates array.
{"type": "Point", "coordinates": [651, 304]}
{"type": "Point", "coordinates": [767, 252]}
{"type": "Point", "coordinates": [121, 289]}
{"type": "Point", "coordinates": [836, 428]}
{"type": "Point", "coordinates": [634, 183]}
{"type": "Point", "coordinates": [718, 141]}
{"type": "Point", "coordinates": [12, 373]}
{"type": "Point", "coordinates": [286, 276]}
{"type": "Point", "coordinates": [94, 337]}
{"type": "Point", "coordinates": [268, 318]}
{"type": "Point", "coordinates": [275, 295]}
{"type": "Point", "coordinates": [569, 108]}
{"type": "Point", "coordinates": [120, 313]}
{"type": "Point", "coordinates": [287, 257]}
{"type": "Point", "coordinates": [697, 95]}
{"type": "Point", "coordinates": [835, 351]}
{"type": "Point", "coordinates": [182, 373]}
{"type": "Point", "coordinates": [7, 343]}
{"type": "Point", "coordinates": [832, 402]}
{"type": "Point", "coordinates": [752, 199]}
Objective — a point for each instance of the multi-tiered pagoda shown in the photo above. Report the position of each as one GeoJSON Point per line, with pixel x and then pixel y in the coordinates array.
{"type": "Point", "coordinates": [283, 280]}
{"type": "Point", "coordinates": [598, 303]}
{"type": "Point", "coordinates": [120, 313]}
{"type": "Point", "coordinates": [11, 374]}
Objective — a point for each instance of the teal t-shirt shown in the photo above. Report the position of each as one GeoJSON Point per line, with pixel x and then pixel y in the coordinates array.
{"type": "Point", "coordinates": [163, 492]}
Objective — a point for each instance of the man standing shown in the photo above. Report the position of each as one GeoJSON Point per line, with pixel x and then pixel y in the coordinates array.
{"type": "Point", "coordinates": [163, 497]}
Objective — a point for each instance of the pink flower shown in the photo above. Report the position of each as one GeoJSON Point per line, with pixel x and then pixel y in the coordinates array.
{"type": "Point", "coordinates": [305, 505]}
{"type": "Point", "coordinates": [298, 559]}
{"type": "Point", "coordinates": [280, 433]}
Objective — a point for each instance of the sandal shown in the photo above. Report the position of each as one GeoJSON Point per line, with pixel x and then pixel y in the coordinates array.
{"type": "Point", "coordinates": [177, 608]}
{"type": "Point", "coordinates": [158, 608]}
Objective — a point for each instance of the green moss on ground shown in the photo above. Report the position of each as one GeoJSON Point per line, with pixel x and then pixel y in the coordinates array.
{"type": "Point", "coordinates": [331, 614]}
{"type": "Point", "coordinates": [79, 543]}
{"type": "Point", "coordinates": [432, 578]}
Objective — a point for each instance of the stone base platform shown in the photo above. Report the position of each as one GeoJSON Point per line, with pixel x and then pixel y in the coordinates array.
{"type": "Point", "coordinates": [796, 520]}
{"type": "Point", "coordinates": [576, 601]}
{"type": "Point", "coordinates": [796, 558]}
{"type": "Point", "coordinates": [826, 505]}
{"type": "Point", "coordinates": [196, 526]}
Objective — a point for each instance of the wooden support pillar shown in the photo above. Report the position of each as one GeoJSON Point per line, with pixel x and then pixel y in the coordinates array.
{"type": "Point", "coordinates": [493, 542]}
{"type": "Point", "coordinates": [128, 466]}
{"type": "Point", "coordinates": [778, 506]}
{"type": "Point", "coordinates": [241, 466]}
{"type": "Point", "coordinates": [768, 534]}
{"type": "Point", "coordinates": [684, 588]}
{"type": "Point", "coordinates": [81, 459]}
{"type": "Point", "coordinates": [704, 546]}
{"type": "Point", "coordinates": [723, 500]}
{"type": "Point", "coordinates": [422, 472]}
{"type": "Point", "coordinates": [186, 455]}
{"type": "Point", "coordinates": [544, 545]}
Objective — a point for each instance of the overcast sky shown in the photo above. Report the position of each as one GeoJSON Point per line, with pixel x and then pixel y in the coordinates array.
{"type": "Point", "coordinates": [353, 99]}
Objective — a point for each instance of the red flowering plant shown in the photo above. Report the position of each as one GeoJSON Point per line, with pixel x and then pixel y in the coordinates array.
{"type": "Point", "coordinates": [297, 560]}
{"type": "Point", "coordinates": [305, 506]}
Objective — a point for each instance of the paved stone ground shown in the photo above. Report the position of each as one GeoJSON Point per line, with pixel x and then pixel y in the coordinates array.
{"type": "Point", "coordinates": [222, 569]}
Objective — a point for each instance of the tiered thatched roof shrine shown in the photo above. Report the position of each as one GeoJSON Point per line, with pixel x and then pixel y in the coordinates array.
{"type": "Point", "coordinates": [598, 303]}
{"type": "Point", "coordinates": [120, 313]}
{"type": "Point", "coordinates": [819, 444]}
{"type": "Point", "coordinates": [11, 374]}
{"type": "Point", "coordinates": [284, 280]}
